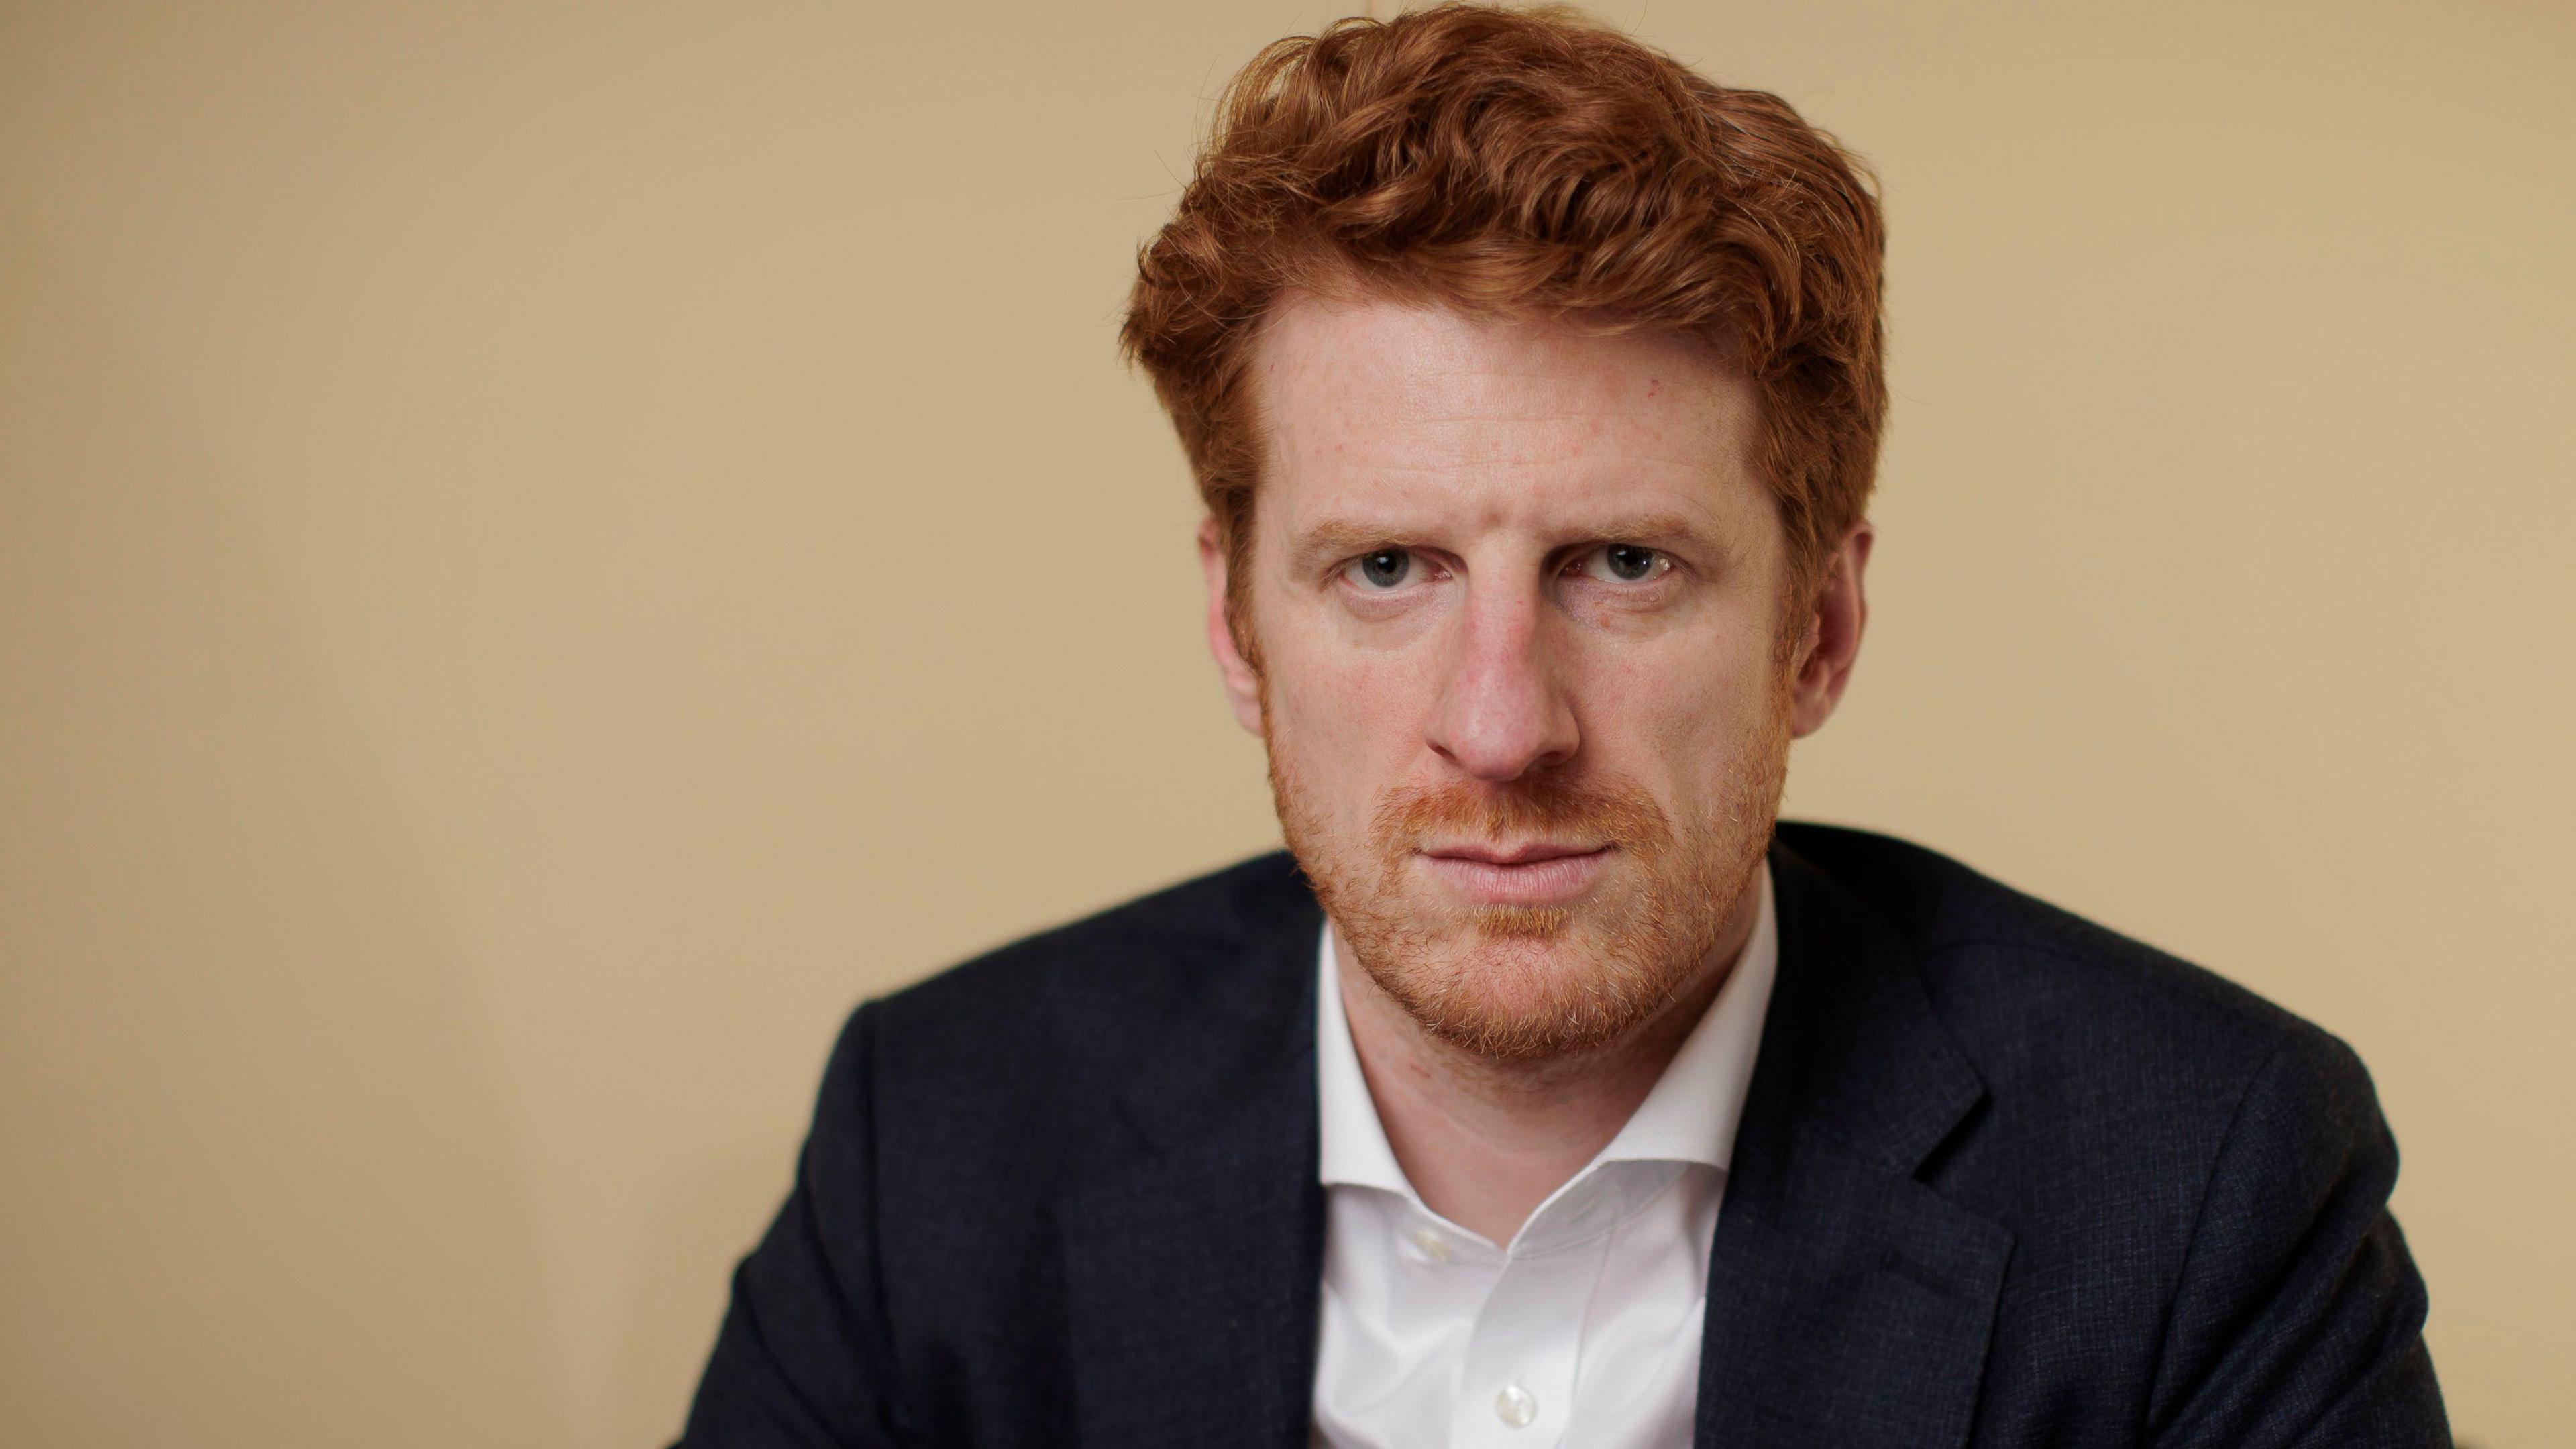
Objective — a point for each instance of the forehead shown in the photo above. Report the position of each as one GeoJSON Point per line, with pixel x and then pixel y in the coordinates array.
{"type": "Point", "coordinates": [1413, 407]}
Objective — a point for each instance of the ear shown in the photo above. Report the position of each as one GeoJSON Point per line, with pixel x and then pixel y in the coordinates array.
{"type": "Point", "coordinates": [1242, 681]}
{"type": "Point", "coordinates": [1832, 635]}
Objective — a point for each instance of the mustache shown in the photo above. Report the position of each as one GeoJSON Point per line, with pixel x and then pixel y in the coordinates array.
{"type": "Point", "coordinates": [1610, 812]}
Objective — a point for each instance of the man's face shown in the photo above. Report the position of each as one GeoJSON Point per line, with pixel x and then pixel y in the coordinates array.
{"type": "Point", "coordinates": [1519, 597]}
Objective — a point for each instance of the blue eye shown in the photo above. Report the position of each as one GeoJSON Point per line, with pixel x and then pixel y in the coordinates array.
{"type": "Point", "coordinates": [1625, 563]}
{"type": "Point", "coordinates": [1385, 568]}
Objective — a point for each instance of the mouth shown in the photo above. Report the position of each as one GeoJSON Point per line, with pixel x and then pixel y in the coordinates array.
{"type": "Point", "coordinates": [1534, 873]}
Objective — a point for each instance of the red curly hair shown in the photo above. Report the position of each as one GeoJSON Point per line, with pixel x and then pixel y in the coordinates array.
{"type": "Point", "coordinates": [1526, 163]}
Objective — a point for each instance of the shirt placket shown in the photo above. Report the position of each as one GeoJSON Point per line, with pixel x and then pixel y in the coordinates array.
{"type": "Point", "coordinates": [1516, 1388]}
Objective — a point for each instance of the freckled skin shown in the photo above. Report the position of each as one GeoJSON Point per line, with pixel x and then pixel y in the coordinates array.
{"type": "Point", "coordinates": [1503, 461]}
{"type": "Point", "coordinates": [1499, 447]}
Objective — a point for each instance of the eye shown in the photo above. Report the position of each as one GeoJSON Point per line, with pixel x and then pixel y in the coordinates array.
{"type": "Point", "coordinates": [1383, 569]}
{"type": "Point", "coordinates": [1625, 563]}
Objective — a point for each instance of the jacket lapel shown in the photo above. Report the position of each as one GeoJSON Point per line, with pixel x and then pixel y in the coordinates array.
{"type": "Point", "coordinates": [1848, 1303]}
{"type": "Point", "coordinates": [1194, 1263]}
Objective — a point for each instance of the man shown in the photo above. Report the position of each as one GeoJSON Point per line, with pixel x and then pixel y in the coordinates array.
{"type": "Point", "coordinates": [1544, 1093]}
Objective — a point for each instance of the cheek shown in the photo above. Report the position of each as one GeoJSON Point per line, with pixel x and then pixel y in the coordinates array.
{"type": "Point", "coordinates": [1682, 721]}
{"type": "Point", "coordinates": [1351, 726]}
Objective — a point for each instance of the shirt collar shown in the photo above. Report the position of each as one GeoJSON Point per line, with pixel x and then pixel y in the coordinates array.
{"type": "Point", "coordinates": [1354, 1141]}
{"type": "Point", "coordinates": [1689, 1116]}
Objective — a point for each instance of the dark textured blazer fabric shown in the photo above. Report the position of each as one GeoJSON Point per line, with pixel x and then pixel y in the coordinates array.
{"type": "Point", "coordinates": [2003, 1178]}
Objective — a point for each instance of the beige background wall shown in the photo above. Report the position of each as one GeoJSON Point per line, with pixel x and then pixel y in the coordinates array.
{"type": "Point", "coordinates": [546, 550]}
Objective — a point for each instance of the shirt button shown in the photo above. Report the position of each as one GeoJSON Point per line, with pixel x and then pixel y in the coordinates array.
{"type": "Point", "coordinates": [1515, 1406]}
{"type": "Point", "coordinates": [1433, 1246]}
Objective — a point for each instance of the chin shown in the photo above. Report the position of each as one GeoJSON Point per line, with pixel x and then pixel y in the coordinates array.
{"type": "Point", "coordinates": [1519, 988]}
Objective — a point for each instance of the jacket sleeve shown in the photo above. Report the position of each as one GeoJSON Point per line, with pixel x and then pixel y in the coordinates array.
{"type": "Point", "coordinates": [803, 1357]}
{"type": "Point", "coordinates": [2299, 1316]}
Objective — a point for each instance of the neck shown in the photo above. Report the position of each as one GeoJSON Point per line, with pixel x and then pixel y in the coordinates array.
{"type": "Point", "coordinates": [1485, 1140]}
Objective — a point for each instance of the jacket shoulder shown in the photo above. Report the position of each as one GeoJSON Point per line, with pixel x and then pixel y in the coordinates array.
{"type": "Point", "coordinates": [1030, 1043]}
{"type": "Point", "coordinates": [1986, 948]}
{"type": "Point", "coordinates": [1118, 965]}
{"type": "Point", "coordinates": [2186, 1168]}
{"type": "Point", "coordinates": [2114, 1071]}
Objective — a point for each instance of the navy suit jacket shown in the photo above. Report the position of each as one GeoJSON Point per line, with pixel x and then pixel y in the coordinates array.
{"type": "Point", "coordinates": [2003, 1178]}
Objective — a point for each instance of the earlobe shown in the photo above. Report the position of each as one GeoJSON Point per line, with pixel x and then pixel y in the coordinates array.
{"type": "Point", "coordinates": [1242, 681]}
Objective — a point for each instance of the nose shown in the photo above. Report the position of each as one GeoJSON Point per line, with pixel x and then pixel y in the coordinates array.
{"type": "Point", "coordinates": [1503, 711]}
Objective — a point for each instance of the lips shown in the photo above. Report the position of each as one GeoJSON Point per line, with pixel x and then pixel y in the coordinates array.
{"type": "Point", "coordinates": [1529, 854]}
{"type": "Point", "coordinates": [1535, 873]}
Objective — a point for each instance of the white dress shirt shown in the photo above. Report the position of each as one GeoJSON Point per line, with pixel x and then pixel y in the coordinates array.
{"type": "Point", "coordinates": [1584, 1330]}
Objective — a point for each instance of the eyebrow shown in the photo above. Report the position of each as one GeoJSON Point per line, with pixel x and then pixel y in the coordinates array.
{"type": "Point", "coordinates": [1333, 539]}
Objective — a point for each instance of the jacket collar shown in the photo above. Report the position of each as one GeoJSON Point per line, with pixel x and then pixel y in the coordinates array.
{"type": "Point", "coordinates": [1848, 1302]}
{"type": "Point", "coordinates": [1851, 1049]}
{"type": "Point", "coordinates": [1193, 1260]}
